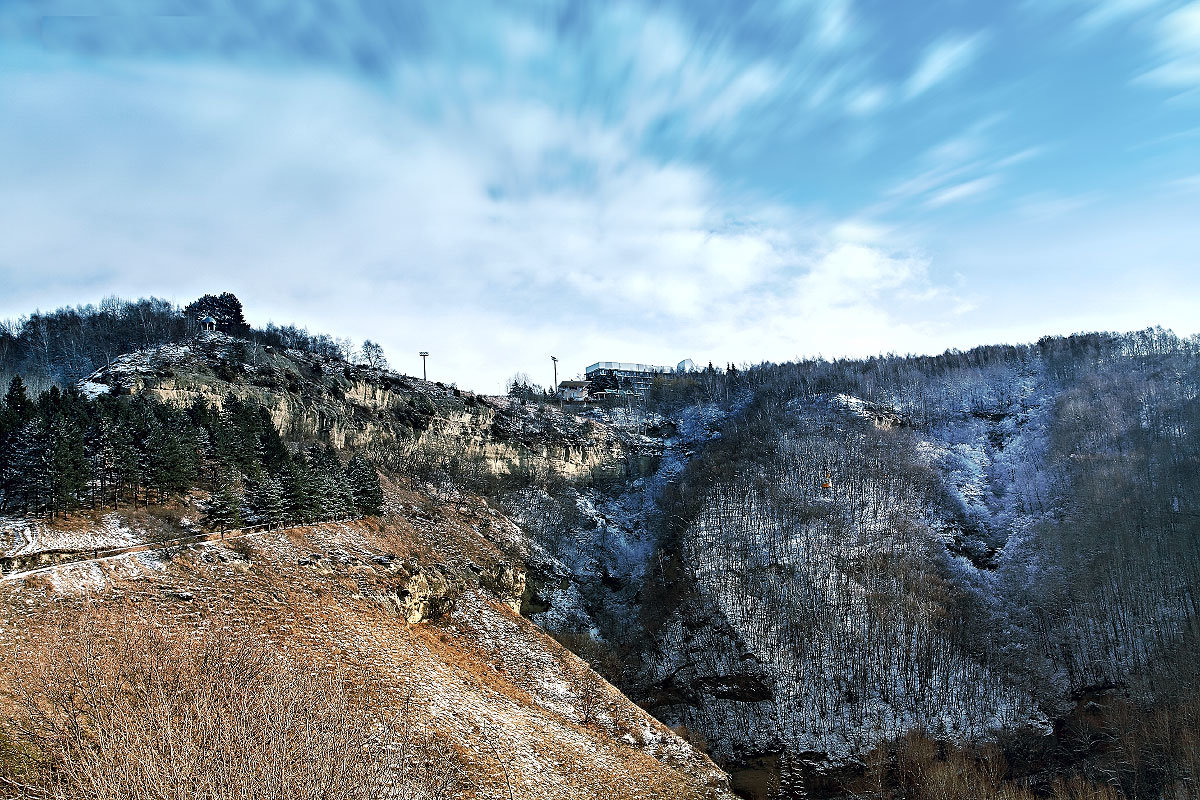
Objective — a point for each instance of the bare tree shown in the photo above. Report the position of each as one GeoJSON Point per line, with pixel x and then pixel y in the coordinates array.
{"type": "Point", "coordinates": [372, 355]}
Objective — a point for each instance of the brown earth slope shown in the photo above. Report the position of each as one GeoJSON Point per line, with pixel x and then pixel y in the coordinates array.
{"type": "Point", "coordinates": [525, 717]}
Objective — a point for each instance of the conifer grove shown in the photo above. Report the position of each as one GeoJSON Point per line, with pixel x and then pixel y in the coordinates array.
{"type": "Point", "coordinates": [62, 451]}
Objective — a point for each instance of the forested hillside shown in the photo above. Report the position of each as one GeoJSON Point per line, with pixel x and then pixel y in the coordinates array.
{"type": "Point", "coordinates": [64, 346]}
{"type": "Point", "coordinates": [958, 546]}
{"type": "Point", "coordinates": [964, 575]}
{"type": "Point", "coordinates": [65, 451]}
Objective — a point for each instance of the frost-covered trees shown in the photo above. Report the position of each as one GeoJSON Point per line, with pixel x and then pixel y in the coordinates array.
{"type": "Point", "coordinates": [372, 355]}
{"type": "Point", "coordinates": [223, 510]}
{"type": "Point", "coordinates": [1005, 527]}
{"type": "Point", "coordinates": [364, 484]}
{"type": "Point", "coordinates": [64, 346]}
{"type": "Point", "coordinates": [64, 451]}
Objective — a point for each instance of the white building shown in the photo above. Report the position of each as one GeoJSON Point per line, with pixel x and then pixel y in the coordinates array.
{"type": "Point", "coordinates": [574, 391]}
{"type": "Point", "coordinates": [623, 377]}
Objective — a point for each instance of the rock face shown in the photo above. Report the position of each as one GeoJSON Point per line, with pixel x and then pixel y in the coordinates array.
{"type": "Point", "coordinates": [507, 582]}
{"type": "Point", "coordinates": [426, 595]}
{"type": "Point", "coordinates": [317, 399]}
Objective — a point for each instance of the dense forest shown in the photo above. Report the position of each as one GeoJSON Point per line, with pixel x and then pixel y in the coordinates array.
{"type": "Point", "coordinates": [870, 560]}
{"type": "Point", "coordinates": [61, 347]}
{"type": "Point", "coordinates": [957, 545]}
{"type": "Point", "coordinates": [62, 451]}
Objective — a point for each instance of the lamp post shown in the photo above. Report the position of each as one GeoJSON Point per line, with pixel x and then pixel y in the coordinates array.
{"type": "Point", "coordinates": [424, 354]}
{"type": "Point", "coordinates": [555, 360]}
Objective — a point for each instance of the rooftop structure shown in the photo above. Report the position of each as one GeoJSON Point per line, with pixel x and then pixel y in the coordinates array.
{"type": "Point", "coordinates": [623, 377]}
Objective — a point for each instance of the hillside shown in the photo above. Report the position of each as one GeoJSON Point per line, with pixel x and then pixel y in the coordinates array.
{"type": "Point", "coordinates": [1004, 555]}
{"type": "Point", "coordinates": [512, 710]}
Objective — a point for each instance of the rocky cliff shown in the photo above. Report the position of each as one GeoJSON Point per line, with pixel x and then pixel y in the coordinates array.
{"type": "Point", "coordinates": [313, 398]}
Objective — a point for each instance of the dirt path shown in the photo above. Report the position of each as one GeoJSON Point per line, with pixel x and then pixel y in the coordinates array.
{"type": "Point", "coordinates": [28, 564]}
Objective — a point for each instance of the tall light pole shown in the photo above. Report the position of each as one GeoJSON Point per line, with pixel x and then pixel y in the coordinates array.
{"type": "Point", "coordinates": [424, 354]}
{"type": "Point", "coordinates": [555, 360]}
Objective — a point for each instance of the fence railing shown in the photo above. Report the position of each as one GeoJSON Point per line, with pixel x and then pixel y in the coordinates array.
{"type": "Point", "coordinates": [22, 562]}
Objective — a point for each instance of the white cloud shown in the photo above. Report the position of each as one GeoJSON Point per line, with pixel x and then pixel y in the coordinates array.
{"type": "Point", "coordinates": [1178, 47]}
{"type": "Point", "coordinates": [491, 238]}
{"type": "Point", "coordinates": [962, 191]}
{"type": "Point", "coordinates": [941, 60]}
{"type": "Point", "coordinates": [867, 100]}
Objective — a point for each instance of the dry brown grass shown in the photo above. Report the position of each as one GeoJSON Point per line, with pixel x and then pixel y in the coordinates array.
{"type": "Point", "coordinates": [482, 700]}
{"type": "Point", "coordinates": [113, 704]}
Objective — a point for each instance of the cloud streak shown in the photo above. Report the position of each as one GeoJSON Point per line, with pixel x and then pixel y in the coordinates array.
{"type": "Point", "coordinates": [1178, 48]}
{"type": "Point", "coordinates": [942, 61]}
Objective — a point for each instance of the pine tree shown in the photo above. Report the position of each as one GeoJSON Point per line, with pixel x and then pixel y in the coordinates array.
{"type": "Point", "coordinates": [66, 473]}
{"type": "Point", "coordinates": [15, 413]}
{"type": "Point", "coordinates": [223, 511]}
{"type": "Point", "coordinates": [16, 400]}
{"type": "Point", "coordinates": [26, 471]}
{"type": "Point", "coordinates": [127, 472]}
{"type": "Point", "coordinates": [364, 484]}
{"type": "Point", "coordinates": [102, 457]}
{"type": "Point", "coordinates": [171, 456]}
{"type": "Point", "coordinates": [267, 502]}
{"type": "Point", "coordinates": [300, 496]}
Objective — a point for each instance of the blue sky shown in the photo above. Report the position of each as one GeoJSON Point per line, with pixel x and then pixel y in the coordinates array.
{"type": "Point", "coordinates": [610, 181]}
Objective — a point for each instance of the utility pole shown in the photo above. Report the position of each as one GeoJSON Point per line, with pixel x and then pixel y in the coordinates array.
{"type": "Point", "coordinates": [555, 359]}
{"type": "Point", "coordinates": [424, 354]}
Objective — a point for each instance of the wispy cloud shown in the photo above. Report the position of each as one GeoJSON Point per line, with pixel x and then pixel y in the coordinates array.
{"type": "Point", "coordinates": [962, 191]}
{"type": "Point", "coordinates": [941, 60]}
{"type": "Point", "coordinates": [963, 167]}
{"type": "Point", "coordinates": [867, 100]}
{"type": "Point", "coordinates": [1102, 13]}
{"type": "Point", "coordinates": [636, 180]}
{"type": "Point", "coordinates": [1178, 49]}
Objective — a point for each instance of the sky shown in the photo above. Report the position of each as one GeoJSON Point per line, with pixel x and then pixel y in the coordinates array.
{"type": "Point", "coordinates": [497, 183]}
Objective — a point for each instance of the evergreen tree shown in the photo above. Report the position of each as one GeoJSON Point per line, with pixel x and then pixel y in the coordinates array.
{"type": "Point", "coordinates": [66, 466]}
{"type": "Point", "coordinates": [223, 511]}
{"type": "Point", "coordinates": [225, 308]}
{"type": "Point", "coordinates": [125, 457]}
{"type": "Point", "coordinates": [16, 400]}
{"type": "Point", "coordinates": [300, 495]}
{"type": "Point", "coordinates": [171, 462]}
{"type": "Point", "coordinates": [101, 445]}
{"type": "Point", "coordinates": [335, 497]}
{"type": "Point", "coordinates": [15, 413]}
{"type": "Point", "coordinates": [63, 450]}
{"type": "Point", "coordinates": [26, 470]}
{"type": "Point", "coordinates": [364, 484]}
{"type": "Point", "coordinates": [267, 502]}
